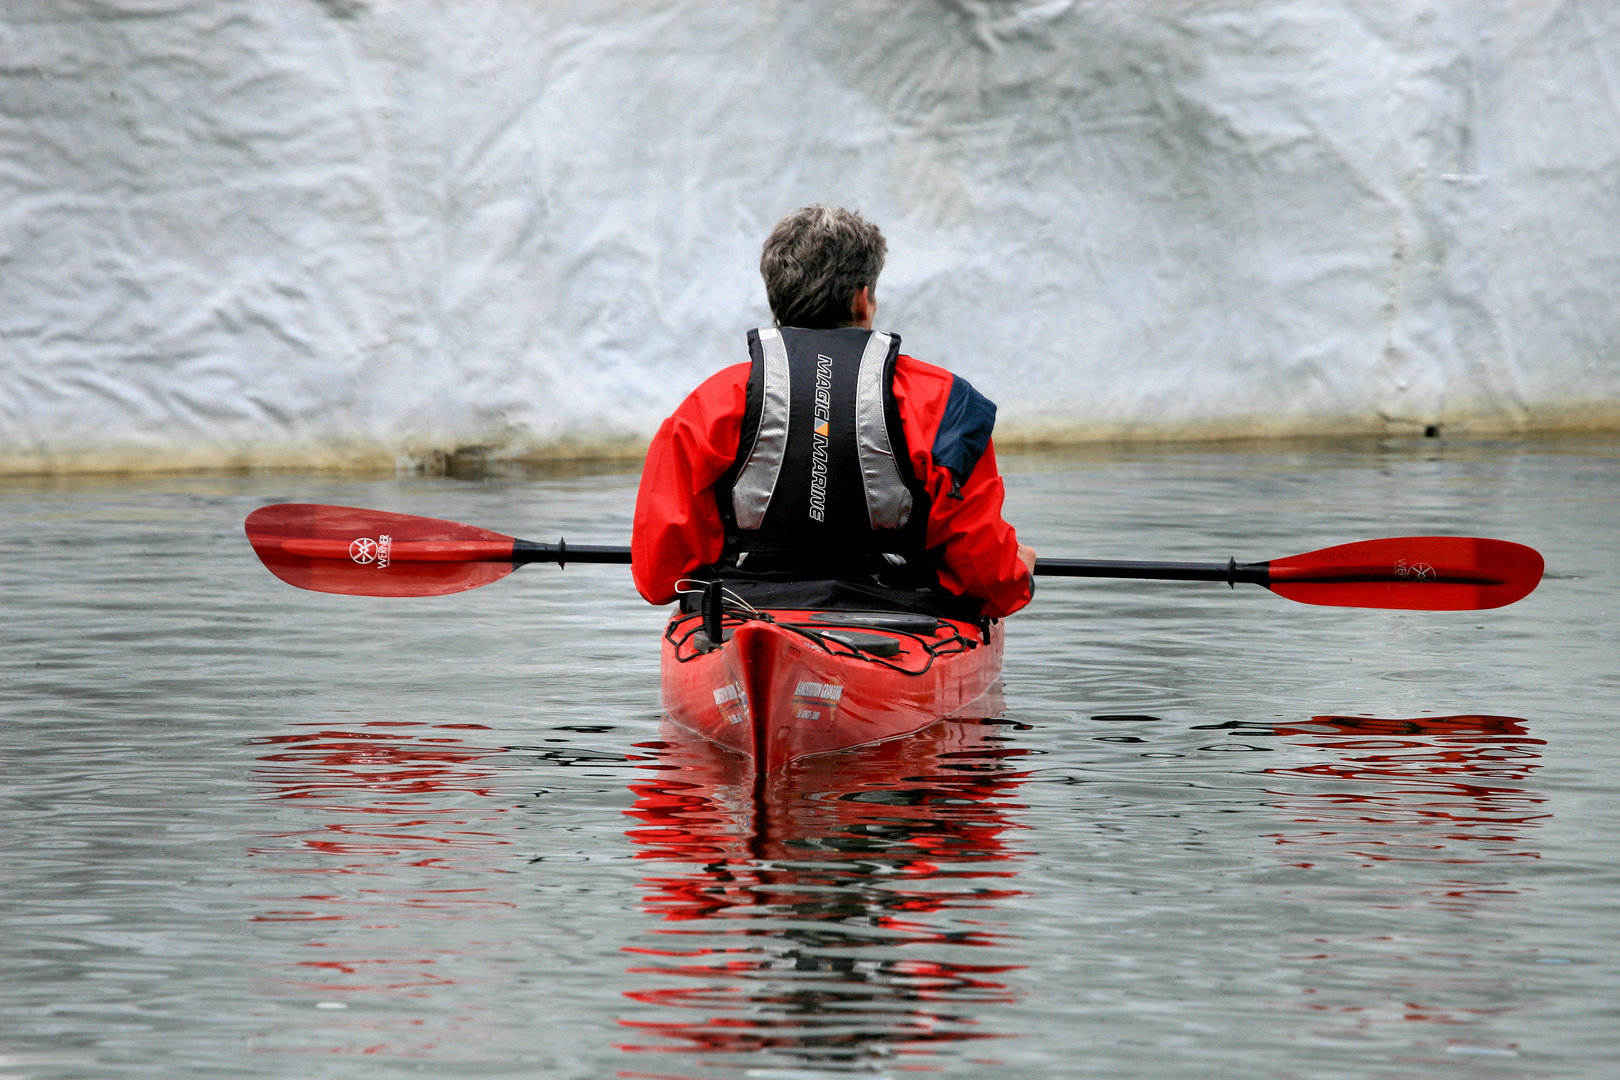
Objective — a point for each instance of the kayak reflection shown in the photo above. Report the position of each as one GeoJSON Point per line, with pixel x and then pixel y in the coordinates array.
{"type": "Point", "coordinates": [1440, 789]}
{"type": "Point", "coordinates": [1431, 816]}
{"type": "Point", "coordinates": [833, 915]}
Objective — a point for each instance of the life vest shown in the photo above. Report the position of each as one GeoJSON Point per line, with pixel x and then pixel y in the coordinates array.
{"type": "Point", "coordinates": [822, 486]}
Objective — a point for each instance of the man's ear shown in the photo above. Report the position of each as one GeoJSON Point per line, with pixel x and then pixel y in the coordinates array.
{"type": "Point", "coordinates": [863, 307]}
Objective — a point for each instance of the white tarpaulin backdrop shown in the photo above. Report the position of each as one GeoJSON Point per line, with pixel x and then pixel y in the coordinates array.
{"type": "Point", "coordinates": [283, 231]}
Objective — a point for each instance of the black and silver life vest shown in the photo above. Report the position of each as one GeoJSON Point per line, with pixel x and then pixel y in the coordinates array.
{"type": "Point", "coordinates": [822, 485]}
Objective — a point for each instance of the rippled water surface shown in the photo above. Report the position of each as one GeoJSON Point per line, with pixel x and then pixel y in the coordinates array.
{"type": "Point", "coordinates": [254, 831]}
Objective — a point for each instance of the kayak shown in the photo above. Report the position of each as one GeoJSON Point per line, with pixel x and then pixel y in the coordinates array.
{"type": "Point", "coordinates": [782, 685]}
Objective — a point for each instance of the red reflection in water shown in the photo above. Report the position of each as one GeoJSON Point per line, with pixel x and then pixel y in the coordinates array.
{"type": "Point", "coordinates": [1413, 788]}
{"type": "Point", "coordinates": [386, 799]}
{"type": "Point", "coordinates": [821, 917]}
{"type": "Point", "coordinates": [1447, 792]}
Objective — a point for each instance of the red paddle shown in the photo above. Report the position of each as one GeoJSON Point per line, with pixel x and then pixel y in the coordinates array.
{"type": "Point", "coordinates": [1418, 573]}
{"type": "Point", "coordinates": [343, 549]}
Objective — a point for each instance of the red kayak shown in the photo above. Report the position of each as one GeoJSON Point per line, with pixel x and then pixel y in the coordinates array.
{"type": "Point", "coordinates": [787, 684]}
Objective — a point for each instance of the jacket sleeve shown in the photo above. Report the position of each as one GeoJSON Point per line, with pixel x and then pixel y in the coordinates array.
{"type": "Point", "coordinates": [948, 426]}
{"type": "Point", "coordinates": [677, 524]}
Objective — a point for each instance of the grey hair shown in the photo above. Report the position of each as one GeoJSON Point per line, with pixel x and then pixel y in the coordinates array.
{"type": "Point", "coordinates": [815, 261]}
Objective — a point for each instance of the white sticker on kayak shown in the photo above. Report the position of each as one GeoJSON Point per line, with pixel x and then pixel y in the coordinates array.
{"type": "Point", "coordinates": [732, 703]}
{"type": "Point", "coordinates": [823, 691]}
{"type": "Point", "coordinates": [816, 701]}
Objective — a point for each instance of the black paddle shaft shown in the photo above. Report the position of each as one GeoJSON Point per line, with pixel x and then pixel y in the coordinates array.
{"type": "Point", "coordinates": [1230, 571]}
{"type": "Point", "coordinates": [562, 553]}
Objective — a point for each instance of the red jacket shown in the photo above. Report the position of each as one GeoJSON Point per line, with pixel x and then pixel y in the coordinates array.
{"type": "Point", "coordinates": [677, 524]}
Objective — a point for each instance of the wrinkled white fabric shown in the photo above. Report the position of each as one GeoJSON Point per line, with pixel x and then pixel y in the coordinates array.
{"type": "Point", "coordinates": [280, 230]}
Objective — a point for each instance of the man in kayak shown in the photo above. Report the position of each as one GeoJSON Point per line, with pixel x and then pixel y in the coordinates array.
{"type": "Point", "coordinates": [830, 471]}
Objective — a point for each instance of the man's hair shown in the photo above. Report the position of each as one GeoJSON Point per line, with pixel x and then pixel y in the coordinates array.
{"type": "Point", "coordinates": [814, 262]}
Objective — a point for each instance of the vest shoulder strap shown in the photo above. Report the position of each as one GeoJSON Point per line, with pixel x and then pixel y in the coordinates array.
{"type": "Point", "coordinates": [755, 482]}
{"type": "Point", "coordinates": [888, 497]}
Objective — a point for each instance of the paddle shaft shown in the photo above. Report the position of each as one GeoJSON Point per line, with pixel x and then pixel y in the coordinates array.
{"type": "Point", "coordinates": [1231, 572]}
{"type": "Point", "coordinates": [563, 553]}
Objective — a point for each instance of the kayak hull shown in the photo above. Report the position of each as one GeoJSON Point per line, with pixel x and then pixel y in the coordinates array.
{"type": "Point", "coordinates": [778, 693]}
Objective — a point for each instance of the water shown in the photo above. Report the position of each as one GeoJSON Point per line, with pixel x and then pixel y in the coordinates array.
{"type": "Point", "coordinates": [259, 832]}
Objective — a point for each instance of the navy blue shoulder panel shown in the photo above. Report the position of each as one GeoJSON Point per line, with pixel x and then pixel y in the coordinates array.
{"type": "Point", "coordinates": [964, 431]}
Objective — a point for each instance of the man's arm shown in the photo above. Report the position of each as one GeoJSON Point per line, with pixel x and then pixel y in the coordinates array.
{"type": "Point", "coordinates": [979, 552]}
{"type": "Point", "coordinates": [677, 524]}
{"type": "Point", "coordinates": [980, 555]}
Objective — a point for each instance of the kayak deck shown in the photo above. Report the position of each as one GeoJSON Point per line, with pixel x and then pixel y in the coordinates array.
{"type": "Point", "coordinates": [786, 684]}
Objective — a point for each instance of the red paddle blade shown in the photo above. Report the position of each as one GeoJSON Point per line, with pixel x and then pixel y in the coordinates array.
{"type": "Point", "coordinates": [1418, 573]}
{"type": "Point", "coordinates": [344, 549]}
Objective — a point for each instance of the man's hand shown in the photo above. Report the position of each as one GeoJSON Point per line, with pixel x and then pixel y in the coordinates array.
{"type": "Point", "coordinates": [1026, 555]}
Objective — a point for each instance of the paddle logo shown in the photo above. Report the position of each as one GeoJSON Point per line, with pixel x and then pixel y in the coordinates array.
{"type": "Point", "coordinates": [818, 448]}
{"type": "Point", "coordinates": [816, 700]}
{"type": "Point", "coordinates": [1418, 571]}
{"type": "Point", "coordinates": [365, 550]}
